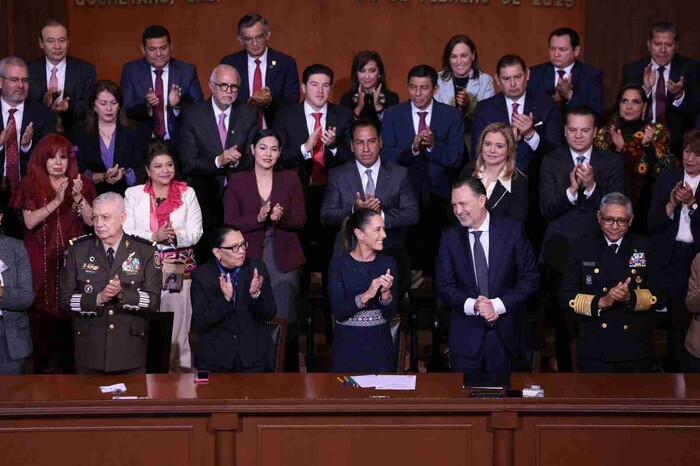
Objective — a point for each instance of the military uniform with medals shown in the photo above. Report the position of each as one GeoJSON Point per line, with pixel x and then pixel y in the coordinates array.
{"type": "Point", "coordinates": [112, 337]}
{"type": "Point", "coordinates": [618, 338]}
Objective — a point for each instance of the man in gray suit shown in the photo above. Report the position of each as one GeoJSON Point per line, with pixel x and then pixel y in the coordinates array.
{"type": "Point", "coordinates": [16, 296]}
{"type": "Point", "coordinates": [376, 184]}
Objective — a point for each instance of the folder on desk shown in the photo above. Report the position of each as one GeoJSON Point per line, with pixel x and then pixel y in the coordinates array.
{"type": "Point", "coordinates": [486, 381]}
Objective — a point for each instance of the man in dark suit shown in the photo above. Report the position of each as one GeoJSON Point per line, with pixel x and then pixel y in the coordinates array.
{"type": "Point", "coordinates": [427, 137]}
{"type": "Point", "coordinates": [612, 281]}
{"type": "Point", "coordinates": [486, 273]}
{"type": "Point", "coordinates": [107, 282]}
{"type": "Point", "coordinates": [671, 83]}
{"type": "Point", "coordinates": [22, 125]}
{"type": "Point", "coordinates": [16, 295]}
{"type": "Point", "coordinates": [376, 184]}
{"type": "Point", "coordinates": [61, 82]}
{"type": "Point", "coordinates": [156, 88]}
{"type": "Point", "coordinates": [572, 183]}
{"type": "Point", "coordinates": [270, 79]}
{"type": "Point", "coordinates": [314, 136]}
{"type": "Point", "coordinates": [231, 301]}
{"type": "Point", "coordinates": [532, 115]}
{"type": "Point", "coordinates": [568, 80]}
{"type": "Point", "coordinates": [215, 141]}
{"type": "Point", "coordinates": [675, 225]}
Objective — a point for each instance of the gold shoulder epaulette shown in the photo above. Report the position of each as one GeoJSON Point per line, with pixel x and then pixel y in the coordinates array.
{"type": "Point", "coordinates": [144, 241]}
{"type": "Point", "coordinates": [80, 239]}
{"type": "Point", "coordinates": [644, 300]}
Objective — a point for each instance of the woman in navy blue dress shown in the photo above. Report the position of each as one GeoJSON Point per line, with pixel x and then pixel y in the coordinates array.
{"type": "Point", "coordinates": [363, 296]}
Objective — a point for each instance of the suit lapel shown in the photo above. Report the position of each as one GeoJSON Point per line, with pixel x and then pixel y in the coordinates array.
{"type": "Point", "coordinates": [270, 72]}
{"type": "Point", "coordinates": [502, 109]}
{"type": "Point", "coordinates": [467, 256]}
{"type": "Point", "coordinates": [576, 74]}
{"type": "Point", "coordinates": [498, 191]}
{"type": "Point", "coordinates": [548, 78]}
{"type": "Point", "coordinates": [210, 124]}
{"type": "Point", "coordinates": [354, 179]}
{"type": "Point", "coordinates": [496, 240]}
{"type": "Point", "coordinates": [242, 68]}
{"type": "Point", "coordinates": [71, 78]}
{"type": "Point", "coordinates": [41, 85]}
{"type": "Point", "coordinates": [383, 181]}
{"type": "Point", "coordinates": [98, 252]}
{"type": "Point", "coordinates": [530, 107]}
{"type": "Point", "coordinates": [233, 123]}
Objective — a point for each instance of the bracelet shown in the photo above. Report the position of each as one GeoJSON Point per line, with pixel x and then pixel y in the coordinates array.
{"type": "Point", "coordinates": [47, 208]}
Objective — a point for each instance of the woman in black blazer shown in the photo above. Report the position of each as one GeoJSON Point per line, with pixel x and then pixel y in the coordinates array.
{"type": "Point", "coordinates": [368, 96]}
{"type": "Point", "coordinates": [108, 147]}
{"type": "Point", "coordinates": [506, 186]}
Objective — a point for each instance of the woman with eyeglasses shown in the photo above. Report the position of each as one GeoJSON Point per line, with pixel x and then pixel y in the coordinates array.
{"type": "Point", "coordinates": [363, 296]}
{"type": "Point", "coordinates": [267, 206]}
{"type": "Point", "coordinates": [231, 301]}
{"type": "Point", "coordinates": [166, 211]}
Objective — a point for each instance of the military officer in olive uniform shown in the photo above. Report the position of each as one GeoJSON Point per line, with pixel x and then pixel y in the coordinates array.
{"type": "Point", "coordinates": [108, 280]}
{"type": "Point", "coordinates": [611, 283]}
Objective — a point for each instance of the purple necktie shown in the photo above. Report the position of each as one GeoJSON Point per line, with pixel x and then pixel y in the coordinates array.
{"type": "Point", "coordinates": [660, 96]}
{"type": "Point", "coordinates": [222, 130]}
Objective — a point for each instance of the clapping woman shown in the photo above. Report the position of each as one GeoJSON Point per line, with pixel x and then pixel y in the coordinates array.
{"type": "Point", "coordinates": [363, 297]}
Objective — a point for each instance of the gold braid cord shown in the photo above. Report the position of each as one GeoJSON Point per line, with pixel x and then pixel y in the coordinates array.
{"type": "Point", "coordinates": [644, 300]}
{"type": "Point", "coordinates": [581, 304]}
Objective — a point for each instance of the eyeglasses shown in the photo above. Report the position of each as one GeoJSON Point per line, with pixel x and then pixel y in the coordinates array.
{"type": "Point", "coordinates": [14, 79]}
{"type": "Point", "coordinates": [226, 87]}
{"type": "Point", "coordinates": [236, 247]}
{"type": "Point", "coordinates": [249, 40]}
{"type": "Point", "coordinates": [621, 222]}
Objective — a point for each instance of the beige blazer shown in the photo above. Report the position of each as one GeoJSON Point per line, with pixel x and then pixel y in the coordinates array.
{"type": "Point", "coordinates": [692, 302]}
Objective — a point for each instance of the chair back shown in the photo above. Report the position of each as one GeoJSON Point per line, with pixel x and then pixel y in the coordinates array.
{"type": "Point", "coordinates": [398, 338]}
{"type": "Point", "coordinates": [277, 329]}
{"type": "Point", "coordinates": [160, 330]}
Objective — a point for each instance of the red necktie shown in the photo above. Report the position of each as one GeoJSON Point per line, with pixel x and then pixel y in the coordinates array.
{"type": "Point", "coordinates": [159, 109]}
{"type": "Point", "coordinates": [318, 172]}
{"type": "Point", "coordinates": [257, 85]}
{"type": "Point", "coordinates": [515, 111]}
{"type": "Point", "coordinates": [660, 96]}
{"type": "Point", "coordinates": [12, 150]}
{"type": "Point", "coordinates": [422, 125]}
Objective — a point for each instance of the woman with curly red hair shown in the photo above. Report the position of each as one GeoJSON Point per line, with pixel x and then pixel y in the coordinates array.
{"type": "Point", "coordinates": [54, 201]}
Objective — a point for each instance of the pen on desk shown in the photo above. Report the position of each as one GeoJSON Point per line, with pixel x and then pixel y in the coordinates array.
{"type": "Point", "coordinates": [379, 396]}
{"type": "Point", "coordinates": [340, 380]}
{"type": "Point", "coordinates": [354, 384]}
{"type": "Point", "coordinates": [129, 397]}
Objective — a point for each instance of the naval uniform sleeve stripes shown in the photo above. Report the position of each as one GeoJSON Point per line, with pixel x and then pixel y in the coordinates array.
{"type": "Point", "coordinates": [144, 299]}
{"type": "Point", "coordinates": [75, 302]}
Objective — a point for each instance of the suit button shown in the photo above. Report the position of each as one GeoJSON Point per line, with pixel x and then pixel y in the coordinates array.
{"type": "Point", "coordinates": [235, 335]}
{"type": "Point", "coordinates": [625, 326]}
{"type": "Point", "coordinates": [604, 325]}
{"type": "Point", "coordinates": [111, 326]}
{"type": "Point", "coordinates": [605, 290]}
{"type": "Point", "coordinates": [111, 312]}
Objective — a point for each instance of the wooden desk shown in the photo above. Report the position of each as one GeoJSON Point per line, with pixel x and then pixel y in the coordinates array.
{"type": "Point", "coordinates": [310, 419]}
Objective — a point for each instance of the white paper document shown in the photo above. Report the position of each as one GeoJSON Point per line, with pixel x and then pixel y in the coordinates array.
{"type": "Point", "coordinates": [386, 382]}
{"type": "Point", "coordinates": [116, 388]}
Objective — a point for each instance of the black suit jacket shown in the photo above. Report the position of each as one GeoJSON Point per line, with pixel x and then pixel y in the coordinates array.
{"type": "Point", "coordinates": [128, 147]}
{"type": "Point", "coordinates": [501, 203]}
{"type": "Point", "coordinates": [281, 77]}
{"type": "Point", "coordinates": [393, 189]}
{"type": "Point", "coordinates": [663, 228]}
{"type": "Point", "coordinates": [678, 119]}
{"type": "Point", "coordinates": [290, 124]}
{"type": "Point", "coordinates": [618, 333]}
{"type": "Point", "coordinates": [587, 83]}
{"type": "Point", "coordinates": [225, 334]}
{"type": "Point", "coordinates": [200, 145]}
{"type": "Point", "coordinates": [44, 122]}
{"type": "Point", "coordinates": [546, 118]}
{"type": "Point", "coordinates": [80, 78]}
{"type": "Point", "coordinates": [568, 222]}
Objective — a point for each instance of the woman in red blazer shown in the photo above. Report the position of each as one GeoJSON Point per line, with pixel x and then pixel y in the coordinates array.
{"type": "Point", "coordinates": [267, 206]}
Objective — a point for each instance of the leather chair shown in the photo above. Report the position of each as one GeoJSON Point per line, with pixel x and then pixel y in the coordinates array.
{"type": "Point", "coordinates": [160, 330]}
{"type": "Point", "coordinates": [277, 329]}
{"type": "Point", "coordinates": [398, 337]}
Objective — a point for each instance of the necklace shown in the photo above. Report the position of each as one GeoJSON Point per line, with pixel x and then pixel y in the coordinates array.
{"type": "Point", "coordinates": [105, 135]}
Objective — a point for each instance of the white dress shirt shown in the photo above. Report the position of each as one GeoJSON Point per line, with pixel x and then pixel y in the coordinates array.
{"type": "Point", "coordinates": [534, 141]}
{"type": "Point", "coordinates": [498, 305]}
{"type": "Point", "coordinates": [586, 163]}
{"type": "Point", "coordinates": [685, 234]}
{"type": "Point", "coordinates": [567, 73]}
{"type": "Point", "coordinates": [60, 76]}
{"type": "Point", "coordinates": [310, 123]}
{"type": "Point", "coordinates": [652, 94]}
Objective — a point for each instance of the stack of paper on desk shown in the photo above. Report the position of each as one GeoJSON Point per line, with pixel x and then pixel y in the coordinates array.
{"type": "Point", "coordinates": [386, 382]}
